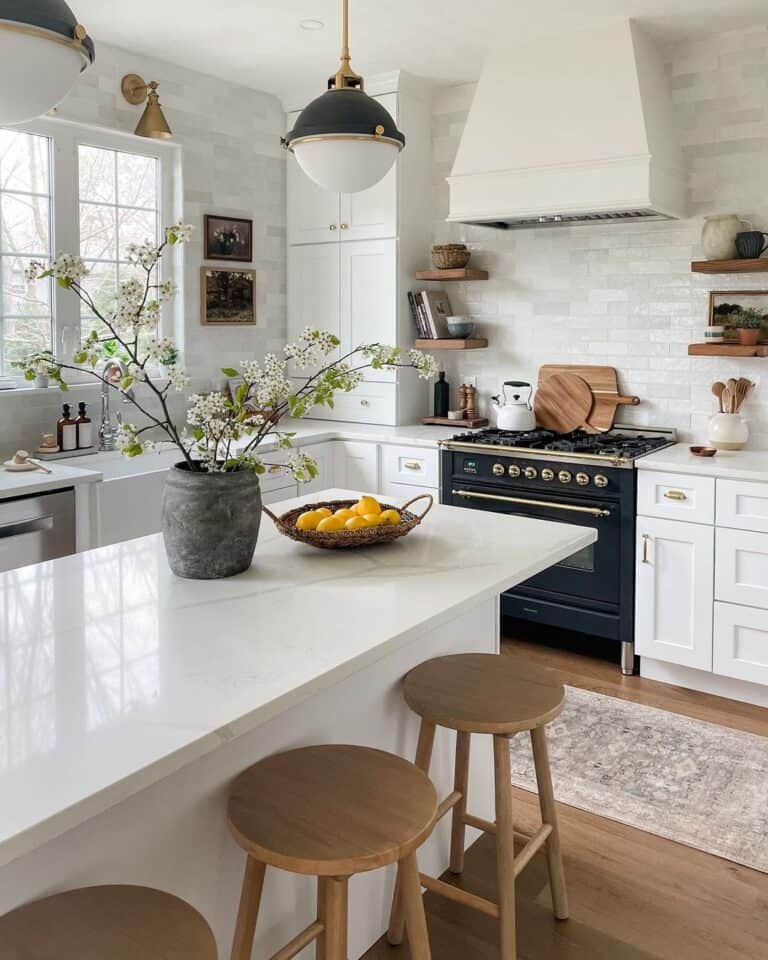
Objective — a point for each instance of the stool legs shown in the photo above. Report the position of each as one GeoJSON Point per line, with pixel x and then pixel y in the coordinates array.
{"type": "Point", "coordinates": [549, 816]}
{"type": "Point", "coordinates": [460, 785]}
{"type": "Point", "coordinates": [248, 912]}
{"type": "Point", "coordinates": [413, 907]}
{"type": "Point", "coordinates": [333, 914]}
{"type": "Point", "coordinates": [505, 847]}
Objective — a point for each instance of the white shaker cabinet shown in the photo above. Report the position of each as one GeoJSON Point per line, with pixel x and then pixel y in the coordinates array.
{"type": "Point", "coordinates": [356, 466]}
{"type": "Point", "coordinates": [368, 298]}
{"type": "Point", "coordinates": [675, 568]}
{"type": "Point", "coordinates": [314, 293]}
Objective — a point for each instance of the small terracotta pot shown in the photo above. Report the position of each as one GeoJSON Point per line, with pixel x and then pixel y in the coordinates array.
{"type": "Point", "coordinates": [749, 338]}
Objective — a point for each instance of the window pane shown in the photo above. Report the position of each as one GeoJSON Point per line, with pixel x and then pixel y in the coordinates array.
{"type": "Point", "coordinates": [22, 336]}
{"type": "Point", "coordinates": [26, 225]}
{"type": "Point", "coordinates": [98, 233]}
{"type": "Point", "coordinates": [24, 162]}
{"type": "Point", "coordinates": [22, 297]}
{"type": "Point", "coordinates": [97, 175]}
{"type": "Point", "coordinates": [136, 226]}
{"type": "Point", "coordinates": [136, 180]}
{"type": "Point", "coordinates": [101, 284]}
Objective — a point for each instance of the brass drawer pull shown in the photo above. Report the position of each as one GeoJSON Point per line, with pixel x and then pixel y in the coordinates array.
{"type": "Point", "coordinates": [275, 469]}
{"type": "Point", "coordinates": [676, 495]}
{"type": "Point", "coordinates": [646, 539]}
{"type": "Point", "coordinates": [592, 511]}
{"type": "Point", "coordinates": [412, 465]}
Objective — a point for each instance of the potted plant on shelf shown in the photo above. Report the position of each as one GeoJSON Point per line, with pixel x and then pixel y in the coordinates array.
{"type": "Point", "coordinates": [42, 369]}
{"type": "Point", "coordinates": [749, 326]}
{"type": "Point", "coordinates": [212, 502]}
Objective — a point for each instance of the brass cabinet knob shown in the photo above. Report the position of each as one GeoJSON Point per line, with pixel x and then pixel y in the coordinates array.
{"type": "Point", "coordinates": [365, 403]}
{"type": "Point", "coordinates": [345, 226]}
{"type": "Point", "coordinates": [332, 226]}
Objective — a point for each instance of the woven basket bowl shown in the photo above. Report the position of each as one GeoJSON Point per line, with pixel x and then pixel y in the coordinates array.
{"type": "Point", "coordinates": [342, 539]}
{"type": "Point", "coordinates": [450, 256]}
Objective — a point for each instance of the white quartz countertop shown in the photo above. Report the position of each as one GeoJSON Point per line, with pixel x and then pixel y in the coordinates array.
{"type": "Point", "coordinates": [728, 464]}
{"type": "Point", "coordinates": [117, 673]}
{"type": "Point", "coordinates": [23, 484]}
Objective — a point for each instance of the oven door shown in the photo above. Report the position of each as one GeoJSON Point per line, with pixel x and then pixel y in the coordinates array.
{"type": "Point", "coordinates": [592, 574]}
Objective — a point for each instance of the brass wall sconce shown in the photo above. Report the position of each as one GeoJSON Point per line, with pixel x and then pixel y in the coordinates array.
{"type": "Point", "coordinates": [153, 123]}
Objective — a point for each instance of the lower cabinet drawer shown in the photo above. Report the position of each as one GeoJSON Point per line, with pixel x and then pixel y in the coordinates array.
{"type": "Point", "coordinates": [740, 647]}
{"type": "Point", "coordinates": [369, 403]}
{"type": "Point", "coordinates": [741, 571]}
{"type": "Point", "coordinates": [281, 493]}
{"type": "Point", "coordinates": [399, 494]}
{"type": "Point", "coordinates": [413, 466]}
{"type": "Point", "coordinates": [675, 496]}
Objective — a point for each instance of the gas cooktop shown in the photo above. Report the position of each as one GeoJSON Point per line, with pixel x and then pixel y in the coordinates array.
{"type": "Point", "coordinates": [626, 443]}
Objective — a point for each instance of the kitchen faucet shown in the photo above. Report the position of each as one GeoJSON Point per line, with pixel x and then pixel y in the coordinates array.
{"type": "Point", "coordinates": [113, 372]}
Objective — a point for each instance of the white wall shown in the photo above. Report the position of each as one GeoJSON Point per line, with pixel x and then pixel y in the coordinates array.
{"type": "Point", "coordinates": [623, 294]}
{"type": "Point", "coordinates": [233, 165]}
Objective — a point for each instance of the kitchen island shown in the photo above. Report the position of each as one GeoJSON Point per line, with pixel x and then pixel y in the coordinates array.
{"type": "Point", "coordinates": [131, 699]}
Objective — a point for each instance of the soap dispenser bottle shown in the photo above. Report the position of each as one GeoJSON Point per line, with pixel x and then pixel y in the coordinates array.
{"type": "Point", "coordinates": [84, 427]}
{"type": "Point", "coordinates": [66, 430]}
{"type": "Point", "coordinates": [442, 396]}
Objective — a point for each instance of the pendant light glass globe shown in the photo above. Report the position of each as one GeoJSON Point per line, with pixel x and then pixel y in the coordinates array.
{"type": "Point", "coordinates": [345, 140]}
{"type": "Point", "coordinates": [43, 50]}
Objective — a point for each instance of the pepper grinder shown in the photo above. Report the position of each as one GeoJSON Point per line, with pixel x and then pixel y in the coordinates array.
{"type": "Point", "coordinates": [471, 403]}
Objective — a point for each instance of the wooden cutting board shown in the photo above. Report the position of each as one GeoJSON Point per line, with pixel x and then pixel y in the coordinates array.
{"type": "Point", "coordinates": [563, 402]}
{"type": "Point", "coordinates": [604, 384]}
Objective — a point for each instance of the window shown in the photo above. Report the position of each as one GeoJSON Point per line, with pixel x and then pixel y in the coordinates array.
{"type": "Point", "coordinates": [69, 188]}
{"type": "Point", "coordinates": [25, 234]}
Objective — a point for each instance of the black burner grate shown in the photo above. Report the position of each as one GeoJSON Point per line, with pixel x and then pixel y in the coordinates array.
{"type": "Point", "coordinates": [611, 444]}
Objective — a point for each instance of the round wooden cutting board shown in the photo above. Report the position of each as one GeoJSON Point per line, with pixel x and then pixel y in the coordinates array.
{"type": "Point", "coordinates": [563, 403]}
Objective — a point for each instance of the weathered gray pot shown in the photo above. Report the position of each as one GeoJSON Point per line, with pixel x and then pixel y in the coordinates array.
{"type": "Point", "coordinates": [210, 522]}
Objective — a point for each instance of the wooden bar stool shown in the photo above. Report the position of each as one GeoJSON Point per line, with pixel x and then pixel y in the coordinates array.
{"type": "Point", "coordinates": [106, 923]}
{"type": "Point", "coordinates": [331, 812]}
{"type": "Point", "coordinates": [501, 696]}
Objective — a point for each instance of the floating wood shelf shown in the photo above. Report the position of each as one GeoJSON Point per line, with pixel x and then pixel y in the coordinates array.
{"type": "Point", "coordinates": [727, 350]}
{"type": "Point", "coordinates": [758, 265]}
{"type": "Point", "coordinates": [478, 343]}
{"type": "Point", "coordinates": [447, 422]}
{"type": "Point", "coordinates": [464, 273]}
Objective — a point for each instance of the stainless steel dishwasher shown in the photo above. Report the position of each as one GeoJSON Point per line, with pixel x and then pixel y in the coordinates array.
{"type": "Point", "coordinates": [36, 528]}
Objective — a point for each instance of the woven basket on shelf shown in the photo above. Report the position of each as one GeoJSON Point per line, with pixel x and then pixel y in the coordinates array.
{"type": "Point", "coordinates": [450, 256]}
{"type": "Point", "coordinates": [286, 524]}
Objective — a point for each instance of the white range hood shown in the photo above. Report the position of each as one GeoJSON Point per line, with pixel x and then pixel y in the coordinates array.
{"type": "Point", "coordinates": [570, 129]}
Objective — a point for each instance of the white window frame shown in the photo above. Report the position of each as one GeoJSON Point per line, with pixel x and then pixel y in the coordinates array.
{"type": "Point", "coordinates": [66, 137]}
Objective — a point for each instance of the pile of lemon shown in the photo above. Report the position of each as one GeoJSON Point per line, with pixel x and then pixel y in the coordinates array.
{"type": "Point", "coordinates": [367, 512]}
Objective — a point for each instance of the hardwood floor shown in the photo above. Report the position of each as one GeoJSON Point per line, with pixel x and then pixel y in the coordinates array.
{"type": "Point", "coordinates": [633, 896]}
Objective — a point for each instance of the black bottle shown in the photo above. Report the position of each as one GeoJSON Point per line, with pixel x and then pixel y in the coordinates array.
{"type": "Point", "coordinates": [442, 396]}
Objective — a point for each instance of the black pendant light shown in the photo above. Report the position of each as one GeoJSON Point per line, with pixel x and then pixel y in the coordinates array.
{"type": "Point", "coordinates": [345, 140]}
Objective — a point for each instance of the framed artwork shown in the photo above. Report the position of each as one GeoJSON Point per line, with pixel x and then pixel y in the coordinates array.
{"type": "Point", "coordinates": [725, 304]}
{"type": "Point", "coordinates": [228, 238]}
{"type": "Point", "coordinates": [227, 297]}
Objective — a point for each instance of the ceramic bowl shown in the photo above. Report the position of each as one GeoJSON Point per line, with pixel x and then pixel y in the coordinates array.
{"type": "Point", "coordinates": [460, 327]}
{"type": "Point", "coordinates": [703, 451]}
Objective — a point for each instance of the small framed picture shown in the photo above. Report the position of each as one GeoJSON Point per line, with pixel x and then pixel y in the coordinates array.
{"type": "Point", "coordinates": [228, 238]}
{"type": "Point", "coordinates": [726, 305]}
{"type": "Point", "coordinates": [227, 297]}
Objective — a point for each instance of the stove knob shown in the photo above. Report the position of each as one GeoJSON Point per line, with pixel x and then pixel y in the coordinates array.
{"type": "Point", "coordinates": [600, 480]}
{"type": "Point", "coordinates": [547, 474]}
{"type": "Point", "coordinates": [582, 479]}
{"type": "Point", "coordinates": [530, 473]}
{"type": "Point", "coordinates": [565, 476]}
{"type": "Point", "coordinates": [514, 470]}
{"type": "Point", "coordinates": [498, 469]}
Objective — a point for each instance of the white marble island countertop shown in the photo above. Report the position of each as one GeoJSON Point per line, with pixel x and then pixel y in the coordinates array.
{"type": "Point", "coordinates": [119, 673]}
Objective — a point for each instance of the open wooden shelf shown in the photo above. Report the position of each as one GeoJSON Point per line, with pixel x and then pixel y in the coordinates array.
{"type": "Point", "coordinates": [758, 265]}
{"type": "Point", "coordinates": [478, 343]}
{"type": "Point", "coordinates": [464, 273]}
{"type": "Point", "coordinates": [726, 350]}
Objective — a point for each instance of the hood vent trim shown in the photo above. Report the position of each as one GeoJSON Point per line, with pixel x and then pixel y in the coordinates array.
{"type": "Point", "coordinates": [570, 220]}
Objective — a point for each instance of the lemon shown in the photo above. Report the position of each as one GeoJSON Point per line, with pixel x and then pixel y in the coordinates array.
{"type": "Point", "coordinates": [356, 523]}
{"type": "Point", "coordinates": [367, 505]}
{"type": "Point", "coordinates": [324, 512]}
{"type": "Point", "coordinates": [330, 525]}
{"type": "Point", "coordinates": [390, 518]}
{"type": "Point", "coordinates": [308, 520]}
{"type": "Point", "coordinates": [345, 513]}
{"type": "Point", "coordinates": [372, 519]}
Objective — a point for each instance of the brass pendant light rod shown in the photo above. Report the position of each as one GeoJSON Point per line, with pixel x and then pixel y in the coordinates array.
{"type": "Point", "coordinates": [345, 77]}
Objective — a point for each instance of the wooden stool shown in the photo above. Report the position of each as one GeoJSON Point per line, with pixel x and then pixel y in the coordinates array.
{"type": "Point", "coordinates": [502, 696]}
{"type": "Point", "coordinates": [106, 923]}
{"type": "Point", "coordinates": [331, 812]}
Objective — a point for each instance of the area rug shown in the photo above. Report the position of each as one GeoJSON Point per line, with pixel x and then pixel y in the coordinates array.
{"type": "Point", "coordinates": [687, 780]}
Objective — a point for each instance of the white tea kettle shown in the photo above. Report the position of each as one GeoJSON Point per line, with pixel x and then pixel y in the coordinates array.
{"type": "Point", "coordinates": [514, 414]}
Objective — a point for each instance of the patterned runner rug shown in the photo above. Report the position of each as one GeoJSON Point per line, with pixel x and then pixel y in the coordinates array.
{"type": "Point", "coordinates": [687, 780]}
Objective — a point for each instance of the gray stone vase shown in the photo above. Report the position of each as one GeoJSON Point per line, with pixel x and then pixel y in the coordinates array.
{"type": "Point", "coordinates": [210, 522]}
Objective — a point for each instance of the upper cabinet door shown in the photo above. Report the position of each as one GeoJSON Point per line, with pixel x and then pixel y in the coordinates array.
{"type": "Point", "coordinates": [372, 213]}
{"type": "Point", "coordinates": [313, 213]}
{"type": "Point", "coordinates": [313, 293]}
{"type": "Point", "coordinates": [369, 297]}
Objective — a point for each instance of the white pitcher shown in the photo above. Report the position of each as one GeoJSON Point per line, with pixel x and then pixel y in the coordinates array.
{"type": "Point", "coordinates": [718, 236]}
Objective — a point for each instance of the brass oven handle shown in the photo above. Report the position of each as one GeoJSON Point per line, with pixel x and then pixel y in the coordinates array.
{"type": "Point", "coordinates": [592, 511]}
{"type": "Point", "coordinates": [676, 495]}
{"type": "Point", "coordinates": [646, 539]}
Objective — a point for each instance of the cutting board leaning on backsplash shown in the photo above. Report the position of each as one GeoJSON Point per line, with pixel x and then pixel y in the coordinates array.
{"type": "Point", "coordinates": [604, 384]}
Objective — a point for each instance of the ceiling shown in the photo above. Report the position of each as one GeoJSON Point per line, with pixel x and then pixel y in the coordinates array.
{"type": "Point", "coordinates": [260, 44]}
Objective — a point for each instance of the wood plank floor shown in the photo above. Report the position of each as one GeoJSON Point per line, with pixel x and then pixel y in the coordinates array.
{"type": "Point", "coordinates": [633, 896]}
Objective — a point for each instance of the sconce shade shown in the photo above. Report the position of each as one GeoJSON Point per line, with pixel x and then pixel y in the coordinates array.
{"type": "Point", "coordinates": [43, 50]}
{"type": "Point", "coordinates": [153, 123]}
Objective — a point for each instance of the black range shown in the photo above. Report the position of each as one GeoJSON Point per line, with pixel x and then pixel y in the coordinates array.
{"type": "Point", "coordinates": [581, 478]}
